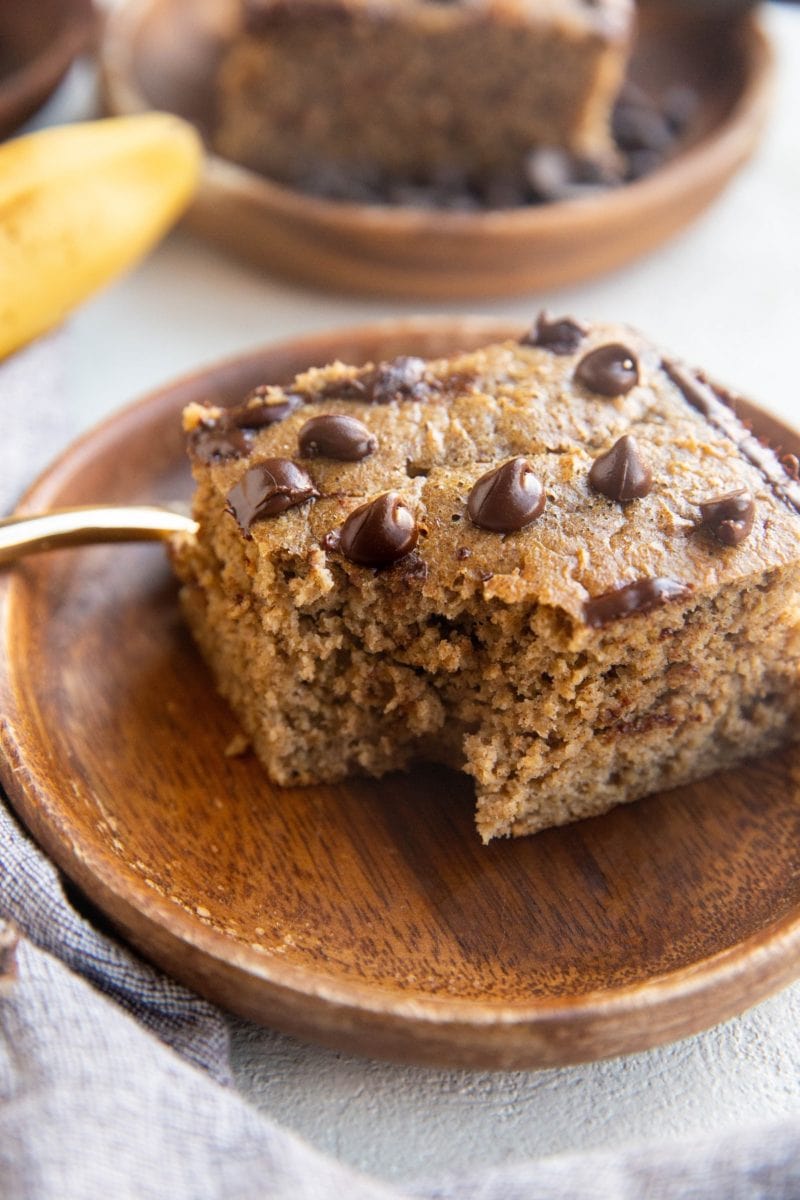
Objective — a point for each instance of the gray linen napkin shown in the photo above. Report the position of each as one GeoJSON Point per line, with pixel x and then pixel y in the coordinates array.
{"type": "Point", "coordinates": [115, 1081]}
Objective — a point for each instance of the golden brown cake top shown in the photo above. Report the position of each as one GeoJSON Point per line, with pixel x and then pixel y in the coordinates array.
{"type": "Point", "coordinates": [577, 468]}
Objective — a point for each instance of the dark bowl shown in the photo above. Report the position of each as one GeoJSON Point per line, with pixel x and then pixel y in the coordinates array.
{"type": "Point", "coordinates": [39, 40]}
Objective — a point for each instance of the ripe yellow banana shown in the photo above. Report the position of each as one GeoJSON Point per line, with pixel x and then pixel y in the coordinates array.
{"type": "Point", "coordinates": [81, 203]}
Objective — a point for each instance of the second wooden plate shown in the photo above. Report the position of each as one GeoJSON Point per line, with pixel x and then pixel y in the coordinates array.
{"type": "Point", "coordinates": [163, 54]}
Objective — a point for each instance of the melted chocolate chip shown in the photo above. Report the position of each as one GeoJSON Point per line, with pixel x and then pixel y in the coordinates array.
{"type": "Point", "coordinates": [379, 532]}
{"type": "Point", "coordinates": [638, 597]}
{"type": "Point", "coordinates": [709, 401]}
{"type": "Point", "coordinates": [414, 568]}
{"type": "Point", "coordinates": [334, 436]}
{"type": "Point", "coordinates": [695, 392]}
{"type": "Point", "coordinates": [610, 370]}
{"type": "Point", "coordinates": [268, 489]}
{"type": "Point", "coordinates": [730, 517]}
{"type": "Point", "coordinates": [621, 473]}
{"type": "Point", "coordinates": [214, 444]}
{"type": "Point", "coordinates": [230, 434]}
{"type": "Point", "coordinates": [506, 498]}
{"type": "Point", "coordinates": [401, 379]}
{"type": "Point", "coordinates": [560, 335]}
{"type": "Point", "coordinates": [260, 416]}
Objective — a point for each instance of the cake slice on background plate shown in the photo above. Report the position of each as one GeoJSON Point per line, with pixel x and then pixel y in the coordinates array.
{"type": "Point", "coordinates": [419, 91]}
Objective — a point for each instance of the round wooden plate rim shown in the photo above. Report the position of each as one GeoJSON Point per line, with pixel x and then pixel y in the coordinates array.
{"type": "Point", "coordinates": [702, 160]}
{"type": "Point", "coordinates": [771, 954]}
{"type": "Point", "coordinates": [777, 945]}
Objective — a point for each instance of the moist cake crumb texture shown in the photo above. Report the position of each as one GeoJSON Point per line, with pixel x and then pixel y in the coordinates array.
{"type": "Point", "coordinates": [560, 564]}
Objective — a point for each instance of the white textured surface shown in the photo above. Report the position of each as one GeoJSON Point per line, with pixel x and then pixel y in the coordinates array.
{"type": "Point", "coordinates": [726, 295]}
{"type": "Point", "coordinates": [402, 1121]}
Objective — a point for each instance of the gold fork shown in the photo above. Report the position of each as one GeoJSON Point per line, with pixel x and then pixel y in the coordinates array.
{"type": "Point", "coordinates": [89, 524]}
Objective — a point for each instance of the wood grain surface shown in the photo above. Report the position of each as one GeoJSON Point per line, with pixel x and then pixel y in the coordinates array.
{"type": "Point", "coordinates": [367, 916]}
{"type": "Point", "coordinates": [163, 54]}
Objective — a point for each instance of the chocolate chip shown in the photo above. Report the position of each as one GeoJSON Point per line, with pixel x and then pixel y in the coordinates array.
{"type": "Point", "coordinates": [414, 568]}
{"type": "Point", "coordinates": [610, 370]}
{"type": "Point", "coordinates": [679, 106]}
{"type": "Point", "coordinates": [715, 405]}
{"type": "Point", "coordinates": [730, 517]}
{"type": "Point", "coordinates": [463, 552]}
{"type": "Point", "coordinates": [213, 444]}
{"type": "Point", "coordinates": [641, 163]}
{"type": "Point", "coordinates": [560, 335]}
{"type": "Point", "coordinates": [504, 189]}
{"type": "Point", "coordinates": [621, 473]}
{"type": "Point", "coordinates": [268, 489]}
{"type": "Point", "coordinates": [554, 174]}
{"type": "Point", "coordinates": [410, 195]}
{"type": "Point", "coordinates": [640, 127]}
{"type": "Point", "coordinates": [336, 436]}
{"type": "Point", "coordinates": [230, 434]}
{"type": "Point", "coordinates": [401, 379]}
{"type": "Point", "coordinates": [506, 498]}
{"type": "Point", "coordinates": [695, 392]}
{"type": "Point", "coordinates": [258, 413]}
{"type": "Point", "coordinates": [638, 597]}
{"type": "Point", "coordinates": [379, 532]}
{"type": "Point", "coordinates": [337, 183]}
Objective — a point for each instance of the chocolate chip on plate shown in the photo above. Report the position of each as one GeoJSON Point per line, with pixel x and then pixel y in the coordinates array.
{"type": "Point", "coordinates": [730, 517]}
{"type": "Point", "coordinates": [268, 489]}
{"type": "Point", "coordinates": [379, 532]}
{"type": "Point", "coordinates": [640, 127]}
{"type": "Point", "coordinates": [507, 498]}
{"type": "Point", "coordinates": [610, 370]}
{"type": "Point", "coordinates": [336, 436]}
{"type": "Point", "coordinates": [621, 473]}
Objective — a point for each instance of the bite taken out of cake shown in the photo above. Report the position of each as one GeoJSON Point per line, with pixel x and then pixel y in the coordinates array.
{"type": "Point", "coordinates": [561, 564]}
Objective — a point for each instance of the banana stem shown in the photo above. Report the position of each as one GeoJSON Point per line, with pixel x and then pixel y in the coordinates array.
{"type": "Point", "coordinates": [88, 525]}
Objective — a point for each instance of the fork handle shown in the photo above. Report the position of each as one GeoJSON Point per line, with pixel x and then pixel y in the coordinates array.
{"type": "Point", "coordinates": [88, 525]}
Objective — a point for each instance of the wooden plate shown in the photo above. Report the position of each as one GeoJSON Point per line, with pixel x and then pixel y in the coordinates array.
{"type": "Point", "coordinates": [162, 54]}
{"type": "Point", "coordinates": [39, 40]}
{"type": "Point", "coordinates": [366, 916]}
